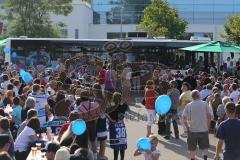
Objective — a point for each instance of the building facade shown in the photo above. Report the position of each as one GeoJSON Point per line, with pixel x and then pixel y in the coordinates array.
{"type": "Point", "coordinates": [205, 17]}
{"type": "Point", "coordinates": [120, 18]}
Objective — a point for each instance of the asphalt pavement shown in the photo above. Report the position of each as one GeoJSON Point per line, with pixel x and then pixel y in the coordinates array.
{"type": "Point", "coordinates": [173, 149]}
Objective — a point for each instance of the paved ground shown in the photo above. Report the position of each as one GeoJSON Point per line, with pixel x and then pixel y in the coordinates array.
{"type": "Point", "coordinates": [170, 149]}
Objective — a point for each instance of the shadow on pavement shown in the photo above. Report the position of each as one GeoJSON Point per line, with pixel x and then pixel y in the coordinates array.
{"type": "Point", "coordinates": [176, 145]}
{"type": "Point", "coordinates": [179, 146]}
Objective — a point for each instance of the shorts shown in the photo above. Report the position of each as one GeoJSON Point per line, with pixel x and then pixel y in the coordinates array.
{"type": "Point", "coordinates": [197, 138]}
{"type": "Point", "coordinates": [102, 129]}
{"type": "Point", "coordinates": [180, 113]}
{"type": "Point", "coordinates": [91, 130]}
{"type": "Point", "coordinates": [151, 117]}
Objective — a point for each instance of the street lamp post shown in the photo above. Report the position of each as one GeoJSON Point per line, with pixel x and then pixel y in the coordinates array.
{"type": "Point", "coordinates": [121, 22]}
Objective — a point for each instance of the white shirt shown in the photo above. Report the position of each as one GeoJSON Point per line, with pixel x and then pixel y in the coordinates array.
{"type": "Point", "coordinates": [50, 91]}
{"type": "Point", "coordinates": [15, 90]}
{"type": "Point", "coordinates": [234, 96]}
{"type": "Point", "coordinates": [41, 101]}
{"type": "Point", "coordinates": [22, 142]}
{"type": "Point", "coordinates": [5, 84]}
{"type": "Point", "coordinates": [128, 75]}
{"type": "Point", "coordinates": [196, 112]}
{"type": "Point", "coordinates": [228, 64]}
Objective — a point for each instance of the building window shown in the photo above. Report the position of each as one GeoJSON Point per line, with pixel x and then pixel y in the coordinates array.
{"type": "Point", "coordinates": [96, 18]}
{"type": "Point", "coordinates": [137, 34]}
{"type": "Point", "coordinates": [208, 35]}
{"type": "Point", "coordinates": [114, 35]}
{"type": "Point", "coordinates": [64, 32]}
{"type": "Point", "coordinates": [76, 33]}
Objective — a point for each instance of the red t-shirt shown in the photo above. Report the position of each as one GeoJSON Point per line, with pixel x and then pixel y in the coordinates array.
{"type": "Point", "coordinates": [101, 76]}
{"type": "Point", "coordinates": [150, 98]}
{"type": "Point", "coordinates": [43, 82]}
{"type": "Point", "coordinates": [64, 128]}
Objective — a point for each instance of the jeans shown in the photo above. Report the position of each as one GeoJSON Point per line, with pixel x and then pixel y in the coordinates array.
{"type": "Point", "coordinates": [172, 117]}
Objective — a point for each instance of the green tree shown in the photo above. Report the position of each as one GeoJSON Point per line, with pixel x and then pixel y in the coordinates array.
{"type": "Point", "coordinates": [161, 20]}
{"type": "Point", "coordinates": [31, 18]}
{"type": "Point", "coordinates": [232, 30]}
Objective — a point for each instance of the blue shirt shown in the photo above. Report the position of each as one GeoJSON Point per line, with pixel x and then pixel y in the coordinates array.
{"type": "Point", "coordinates": [17, 114]}
{"type": "Point", "coordinates": [205, 93]}
{"type": "Point", "coordinates": [229, 131]}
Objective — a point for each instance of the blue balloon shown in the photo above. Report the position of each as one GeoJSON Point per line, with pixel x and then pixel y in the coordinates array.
{"type": "Point", "coordinates": [78, 127]}
{"type": "Point", "coordinates": [6, 50]}
{"type": "Point", "coordinates": [26, 76]}
{"type": "Point", "coordinates": [163, 104]}
{"type": "Point", "coordinates": [144, 144]}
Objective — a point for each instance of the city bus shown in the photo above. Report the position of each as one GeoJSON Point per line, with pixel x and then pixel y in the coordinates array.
{"type": "Point", "coordinates": [142, 55]}
{"type": "Point", "coordinates": [46, 51]}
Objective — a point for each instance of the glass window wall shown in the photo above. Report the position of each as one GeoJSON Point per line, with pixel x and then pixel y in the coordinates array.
{"type": "Point", "coordinates": [206, 11]}
{"type": "Point", "coordinates": [118, 11]}
{"type": "Point", "coordinates": [194, 11]}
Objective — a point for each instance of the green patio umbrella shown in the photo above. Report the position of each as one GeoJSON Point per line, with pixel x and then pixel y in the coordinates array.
{"type": "Point", "coordinates": [216, 46]}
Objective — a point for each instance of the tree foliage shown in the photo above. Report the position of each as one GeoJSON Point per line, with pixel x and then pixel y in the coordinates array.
{"type": "Point", "coordinates": [161, 20]}
{"type": "Point", "coordinates": [232, 30]}
{"type": "Point", "coordinates": [3, 36]}
{"type": "Point", "coordinates": [32, 17]}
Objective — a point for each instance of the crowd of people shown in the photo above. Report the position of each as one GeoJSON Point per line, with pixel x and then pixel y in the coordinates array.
{"type": "Point", "coordinates": [203, 104]}
{"type": "Point", "coordinates": [43, 111]}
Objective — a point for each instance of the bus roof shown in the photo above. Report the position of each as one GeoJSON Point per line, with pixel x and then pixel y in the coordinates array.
{"type": "Point", "coordinates": [104, 40]}
{"type": "Point", "coordinates": [169, 43]}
